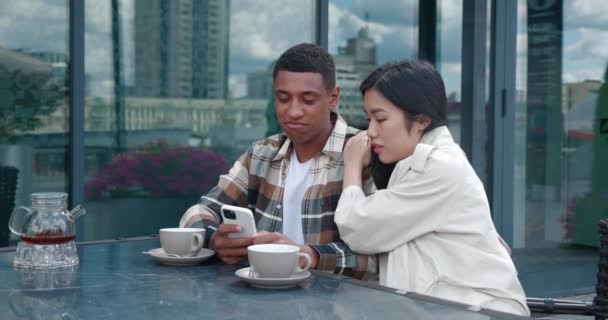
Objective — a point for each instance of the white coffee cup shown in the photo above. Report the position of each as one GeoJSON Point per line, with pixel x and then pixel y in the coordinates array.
{"type": "Point", "coordinates": [182, 241]}
{"type": "Point", "coordinates": [276, 260]}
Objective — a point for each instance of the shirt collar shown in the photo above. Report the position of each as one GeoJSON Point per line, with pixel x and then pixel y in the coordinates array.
{"type": "Point", "coordinates": [438, 136]}
{"type": "Point", "coordinates": [430, 140]}
{"type": "Point", "coordinates": [333, 146]}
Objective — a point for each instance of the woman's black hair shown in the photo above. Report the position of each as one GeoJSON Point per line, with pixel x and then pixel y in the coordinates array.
{"type": "Point", "coordinates": [413, 86]}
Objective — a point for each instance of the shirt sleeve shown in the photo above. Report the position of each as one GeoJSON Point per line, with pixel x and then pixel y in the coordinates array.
{"type": "Point", "coordinates": [231, 189]}
{"type": "Point", "coordinates": [389, 218]}
{"type": "Point", "coordinates": [337, 257]}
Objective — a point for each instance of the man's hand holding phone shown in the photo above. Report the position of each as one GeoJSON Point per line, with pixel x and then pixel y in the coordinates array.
{"type": "Point", "coordinates": [238, 231]}
{"type": "Point", "coordinates": [234, 235]}
{"type": "Point", "coordinates": [229, 250]}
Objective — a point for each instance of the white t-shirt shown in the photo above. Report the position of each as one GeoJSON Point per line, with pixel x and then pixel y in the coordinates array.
{"type": "Point", "coordinates": [296, 184]}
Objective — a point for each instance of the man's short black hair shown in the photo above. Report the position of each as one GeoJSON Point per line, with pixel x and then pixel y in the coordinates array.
{"type": "Point", "coordinates": [307, 57]}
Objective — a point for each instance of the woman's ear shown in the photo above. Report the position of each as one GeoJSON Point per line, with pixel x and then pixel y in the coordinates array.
{"type": "Point", "coordinates": [423, 121]}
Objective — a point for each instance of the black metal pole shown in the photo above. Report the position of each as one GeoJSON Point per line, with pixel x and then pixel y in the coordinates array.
{"type": "Point", "coordinates": [117, 66]}
{"type": "Point", "coordinates": [556, 306]}
{"type": "Point", "coordinates": [76, 84]}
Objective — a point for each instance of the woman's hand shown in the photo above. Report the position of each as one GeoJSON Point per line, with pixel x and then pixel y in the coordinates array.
{"type": "Point", "coordinates": [357, 156]}
{"type": "Point", "coordinates": [357, 151]}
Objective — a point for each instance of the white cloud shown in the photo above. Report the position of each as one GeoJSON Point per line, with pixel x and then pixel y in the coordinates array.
{"type": "Point", "coordinates": [586, 13]}
{"type": "Point", "coordinates": [585, 35]}
{"type": "Point", "coordinates": [522, 10]}
{"type": "Point", "coordinates": [583, 73]}
{"type": "Point", "coordinates": [98, 16]}
{"type": "Point", "coordinates": [451, 72]}
{"type": "Point", "coordinates": [103, 87]}
{"type": "Point", "coordinates": [394, 41]}
{"type": "Point", "coordinates": [522, 44]}
{"type": "Point", "coordinates": [568, 77]}
{"type": "Point", "coordinates": [34, 25]}
{"type": "Point", "coordinates": [260, 30]}
{"type": "Point", "coordinates": [333, 36]}
{"type": "Point", "coordinates": [591, 44]}
{"type": "Point", "coordinates": [451, 67]}
{"type": "Point", "coordinates": [451, 12]}
{"type": "Point", "coordinates": [345, 24]}
{"type": "Point", "coordinates": [238, 85]}
{"type": "Point", "coordinates": [387, 12]}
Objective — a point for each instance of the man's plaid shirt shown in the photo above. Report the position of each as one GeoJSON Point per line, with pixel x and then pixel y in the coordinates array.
{"type": "Point", "coordinates": [257, 181]}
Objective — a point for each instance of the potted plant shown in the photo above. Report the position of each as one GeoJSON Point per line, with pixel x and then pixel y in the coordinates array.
{"type": "Point", "coordinates": [28, 92]}
{"type": "Point", "coordinates": [150, 187]}
{"type": "Point", "coordinates": [8, 188]}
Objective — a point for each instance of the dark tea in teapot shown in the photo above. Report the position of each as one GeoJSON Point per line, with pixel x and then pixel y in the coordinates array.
{"type": "Point", "coordinates": [49, 237]}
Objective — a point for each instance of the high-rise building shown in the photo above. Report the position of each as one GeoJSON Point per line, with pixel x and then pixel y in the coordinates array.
{"type": "Point", "coordinates": [359, 54]}
{"type": "Point", "coordinates": [181, 48]}
{"type": "Point", "coordinates": [573, 93]}
{"type": "Point", "coordinates": [354, 62]}
{"type": "Point", "coordinates": [351, 103]}
{"type": "Point", "coordinates": [260, 83]}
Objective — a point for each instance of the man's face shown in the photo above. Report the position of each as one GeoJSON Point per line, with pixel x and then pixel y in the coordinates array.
{"type": "Point", "coordinates": [303, 106]}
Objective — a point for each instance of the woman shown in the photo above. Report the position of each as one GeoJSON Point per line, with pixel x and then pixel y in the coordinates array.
{"type": "Point", "coordinates": [430, 219]}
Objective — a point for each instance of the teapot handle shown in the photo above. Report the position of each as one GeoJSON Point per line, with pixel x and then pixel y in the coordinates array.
{"type": "Point", "coordinates": [15, 223]}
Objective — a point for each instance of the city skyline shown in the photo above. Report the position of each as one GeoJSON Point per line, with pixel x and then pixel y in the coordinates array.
{"type": "Point", "coordinates": [255, 43]}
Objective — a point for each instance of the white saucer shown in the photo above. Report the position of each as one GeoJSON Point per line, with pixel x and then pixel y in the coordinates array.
{"type": "Point", "coordinates": [272, 283]}
{"type": "Point", "coordinates": [160, 255]}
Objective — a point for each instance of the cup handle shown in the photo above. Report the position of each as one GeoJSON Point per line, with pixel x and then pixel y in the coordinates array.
{"type": "Point", "coordinates": [196, 244]}
{"type": "Point", "coordinates": [308, 262]}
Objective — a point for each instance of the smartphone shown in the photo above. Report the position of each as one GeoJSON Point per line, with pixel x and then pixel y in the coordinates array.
{"type": "Point", "coordinates": [241, 216]}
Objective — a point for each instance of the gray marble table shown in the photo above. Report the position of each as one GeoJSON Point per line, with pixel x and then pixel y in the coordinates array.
{"type": "Point", "coordinates": [116, 281]}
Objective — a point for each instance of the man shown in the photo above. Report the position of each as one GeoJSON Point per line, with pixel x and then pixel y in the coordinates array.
{"type": "Point", "coordinates": [291, 181]}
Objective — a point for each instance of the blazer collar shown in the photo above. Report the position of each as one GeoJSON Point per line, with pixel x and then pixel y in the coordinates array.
{"type": "Point", "coordinates": [431, 140]}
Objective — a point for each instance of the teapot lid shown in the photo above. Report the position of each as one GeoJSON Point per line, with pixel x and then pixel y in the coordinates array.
{"type": "Point", "coordinates": [49, 198]}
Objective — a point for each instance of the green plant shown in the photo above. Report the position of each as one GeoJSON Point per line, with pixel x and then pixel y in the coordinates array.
{"type": "Point", "coordinates": [25, 98]}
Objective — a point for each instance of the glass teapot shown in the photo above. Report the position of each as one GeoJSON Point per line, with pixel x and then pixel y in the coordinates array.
{"type": "Point", "coordinates": [48, 221]}
{"type": "Point", "coordinates": [47, 230]}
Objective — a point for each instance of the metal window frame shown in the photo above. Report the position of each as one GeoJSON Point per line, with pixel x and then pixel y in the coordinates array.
{"type": "Point", "coordinates": [473, 86]}
{"type": "Point", "coordinates": [502, 115]}
{"type": "Point", "coordinates": [76, 83]}
{"type": "Point", "coordinates": [322, 23]}
{"type": "Point", "coordinates": [427, 30]}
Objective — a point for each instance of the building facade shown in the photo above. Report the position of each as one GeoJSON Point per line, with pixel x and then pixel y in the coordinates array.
{"type": "Point", "coordinates": [181, 48]}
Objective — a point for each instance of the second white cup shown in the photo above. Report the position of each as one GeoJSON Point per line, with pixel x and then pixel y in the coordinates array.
{"type": "Point", "coordinates": [182, 241]}
{"type": "Point", "coordinates": [276, 260]}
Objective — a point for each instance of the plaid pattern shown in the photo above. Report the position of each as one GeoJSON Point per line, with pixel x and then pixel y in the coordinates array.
{"type": "Point", "coordinates": [257, 181]}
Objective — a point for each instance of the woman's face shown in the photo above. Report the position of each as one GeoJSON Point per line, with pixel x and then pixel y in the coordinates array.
{"type": "Point", "coordinates": [388, 128]}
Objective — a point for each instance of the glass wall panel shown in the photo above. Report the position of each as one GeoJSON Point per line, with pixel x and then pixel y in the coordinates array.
{"type": "Point", "coordinates": [33, 102]}
{"type": "Point", "coordinates": [176, 91]}
{"type": "Point", "coordinates": [561, 140]}
{"type": "Point", "coordinates": [363, 35]}
{"type": "Point", "coordinates": [449, 58]}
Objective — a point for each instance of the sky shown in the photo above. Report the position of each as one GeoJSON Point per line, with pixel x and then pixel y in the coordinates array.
{"type": "Point", "coordinates": [260, 30]}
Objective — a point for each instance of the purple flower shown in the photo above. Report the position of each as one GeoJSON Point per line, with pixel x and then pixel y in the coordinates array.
{"type": "Point", "coordinates": [158, 169]}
